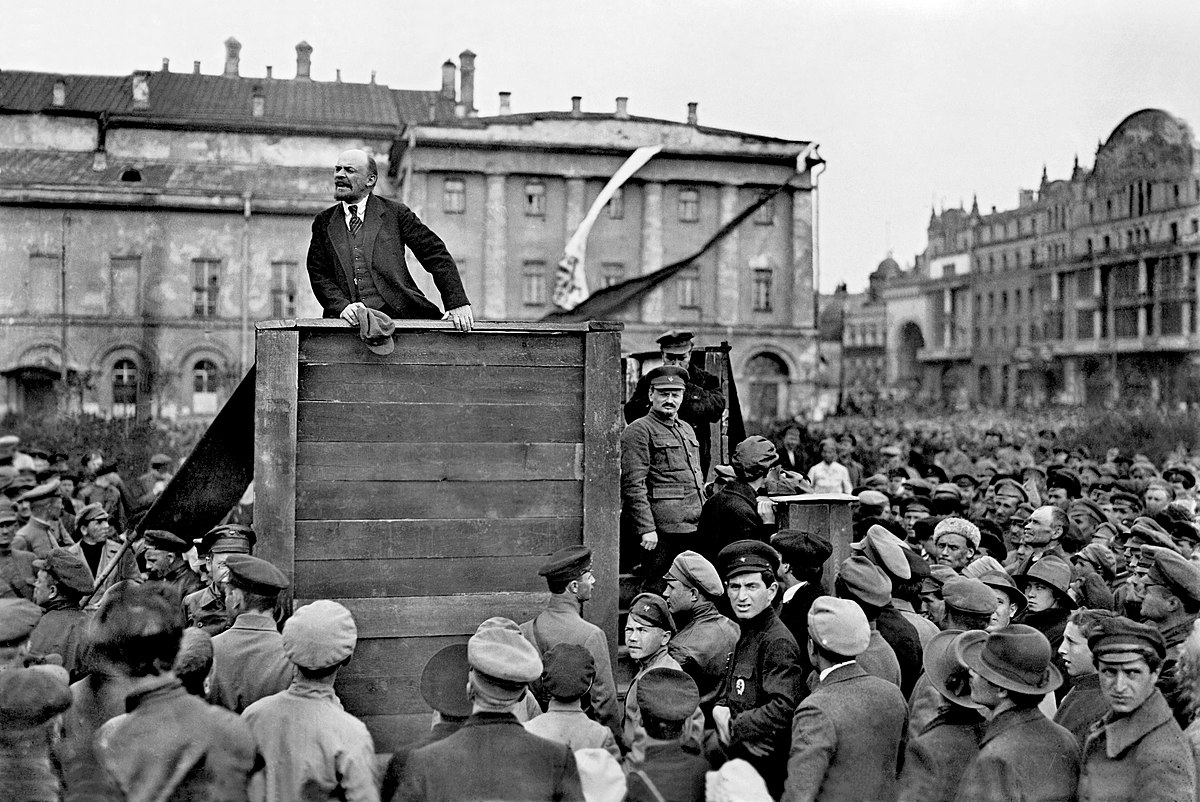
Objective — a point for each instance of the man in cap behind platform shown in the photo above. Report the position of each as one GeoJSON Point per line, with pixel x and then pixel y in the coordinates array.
{"type": "Point", "coordinates": [567, 673]}
{"type": "Point", "coordinates": [62, 581]}
{"type": "Point", "coordinates": [170, 744]}
{"type": "Point", "coordinates": [249, 658]}
{"type": "Point", "coordinates": [313, 749]}
{"type": "Point", "coordinates": [206, 607]}
{"type": "Point", "coordinates": [847, 734]}
{"type": "Point", "coordinates": [1137, 751]}
{"type": "Point", "coordinates": [706, 637]}
{"type": "Point", "coordinates": [1170, 602]}
{"type": "Point", "coordinates": [734, 513]}
{"type": "Point", "coordinates": [670, 771]}
{"type": "Point", "coordinates": [703, 402]}
{"type": "Point", "coordinates": [661, 480]}
{"type": "Point", "coordinates": [17, 574]}
{"type": "Point", "coordinates": [166, 563]}
{"type": "Point", "coordinates": [568, 574]}
{"type": "Point", "coordinates": [492, 756]}
{"type": "Point", "coordinates": [444, 683]}
{"type": "Point", "coordinates": [1023, 755]}
{"type": "Point", "coordinates": [802, 557]}
{"type": "Point", "coordinates": [43, 532]}
{"type": "Point", "coordinates": [763, 681]}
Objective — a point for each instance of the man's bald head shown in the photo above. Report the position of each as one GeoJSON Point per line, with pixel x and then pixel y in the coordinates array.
{"type": "Point", "coordinates": [354, 175]}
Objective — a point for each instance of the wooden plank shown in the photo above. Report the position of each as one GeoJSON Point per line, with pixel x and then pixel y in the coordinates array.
{"type": "Point", "coordinates": [359, 579]}
{"type": "Point", "coordinates": [414, 384]}
{"type": "Point", "coordinates": [420, 616]}
{"type": "Point", "coordinates": [437, 461]}
{"type": "Point", "coordinates": [399, 539]}
{"type": "Point", "coordinates": [392, 732]}
{"type": "Point", "coordinates": [275, 411]}
{"type": "Point", "coordinates": [455, 422]}
{"type": "Point", "coordinates": [446, 348]}
{"type": "Point", "coordinates": [480, 327]}
{"type": "Point", "coordinates": [504, 499]}
{"type": "Point", "coordinates": [601, 464]}
{"type": "Point", "coordinates": [395, 694]}
{"type": "Point", "coordinates": [398, 656]}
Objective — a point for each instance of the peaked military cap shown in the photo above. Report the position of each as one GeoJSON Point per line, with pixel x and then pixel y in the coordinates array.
{"type": "Point", "coordinates": [67, 569]}
{"type": "Point", "coordinates": [1172, 570]}
{"type": "Point", "coordinates": [1183, 473]}
{"type": "Point", "coordinates": [1011, 487]}
{"type": "Point", "coordinates": [874, 498]}
{"type": "Point", "coordinates": [319, 635]}
{"type": "Point", "coordinates": [915, 503]}
{"type": "Point", "coordinates": [668, 377]}
{"type": "Point", "coordinates": [40, 492]}
{"type": "Point", "coordinates": [667, 694]}
{"type": "Point", "coordinates": [567, 564]}
{"type": "Point", "coordinates": [1152, 532]}
{"type": "Point", "coordinates": [1066, 479]}
{"type": "Point", "coordinates": [1121, 640]}
{"type": "Point", "coordinates": [651, 609]}
{"type": "Point", "coordinates": [747, 556]}
{"type": "Point", "coordinates": [163, 540]}
{"type": "Point", "coordinates": [885, 550]}
{"type": "Point", "coordinates": [255, 575]}
{"type": "Point", "coordinates": [502, 654]}
{"type": "Point", "coordinates": [674, 338]}
{"type": "Point", "coordinates": [1089, 508]}
{"type": "Point", "coordinates": [227, 539]}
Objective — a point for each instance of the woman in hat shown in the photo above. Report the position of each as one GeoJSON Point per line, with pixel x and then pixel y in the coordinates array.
{"type": "Point", "coordinates": [1047, 588]}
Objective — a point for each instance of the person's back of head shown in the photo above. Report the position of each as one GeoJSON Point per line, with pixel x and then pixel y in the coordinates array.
{"type": "Point", "coordinates": [138, 628]}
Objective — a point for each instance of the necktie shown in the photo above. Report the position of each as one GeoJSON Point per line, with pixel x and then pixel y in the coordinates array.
{"type": "Point", "coordinates": [355, 220]}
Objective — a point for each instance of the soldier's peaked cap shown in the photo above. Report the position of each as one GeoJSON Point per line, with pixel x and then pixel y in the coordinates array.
{"type": "Point", "coordinates": [255, 575]}
{"type": "Point", "coordinates": [163, 540]}
{"type": "Point", "coordinates": [668, 694]}
{"type": "Point", "coordinates": [227, 539]}
{"type": "Point", "coordinates": [43, 491]}
{"type": "Point", "coordinates": [566, 564]}
{"type": "Point", "coordinates": [747, 556]}
{"type": "Point", "coordinates": [674, 338]}
{"type": "Point", "coordinates": [668, 377]}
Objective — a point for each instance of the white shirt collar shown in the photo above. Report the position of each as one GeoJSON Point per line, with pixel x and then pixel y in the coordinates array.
{"type": "Point", "coordinates": [826, 672]}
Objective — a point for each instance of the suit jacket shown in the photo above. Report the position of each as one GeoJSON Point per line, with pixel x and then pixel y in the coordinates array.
{"type": "Point", "coordinates": [388, 227]}
{"type": "Point", "coordinates": [492, 757]}
{"type": "Point", "coordinates": [1023, 755]}
{"type": "Point", "coordinates": [846, 740]}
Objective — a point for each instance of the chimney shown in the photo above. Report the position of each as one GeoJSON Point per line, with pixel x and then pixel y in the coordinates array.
{"type": "Point", "coordinates": [622, 108]}
{"type": "Point", "coordinates": [303, 61]}
{"type": "Point", "coordinates": [467, 81]}
{"type": "Point", "coordinates": [692, 118]}
{"type": "Point", "coordinates": [372, 77]}
{"type": "Point", "coordinates": [166, 64]}
{"type": "Point", "coordinates": [195, 68]}
{"type": "Point", "coordinates": [448, 71]}
{"type": "Point", "coordinates": [269, 76]}
{"type": "Point", "coordinates": [99, 160]}
{"type": "Point", "coordinates": [505, 103]}
{"type": "Point", "coordinates": [233, 50]}
{"type": "Point", "coordinates": [576, 106]}
{"type": "Point", "coordinates": [338, 74]}
{"type": "Point", "coordinates": [59, 97]}
{"type": "Point", "coordinates": [141, 90]}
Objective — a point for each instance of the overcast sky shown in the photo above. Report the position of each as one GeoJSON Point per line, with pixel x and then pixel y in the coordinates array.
{"type": "Point", "coordinates": [913, 102]}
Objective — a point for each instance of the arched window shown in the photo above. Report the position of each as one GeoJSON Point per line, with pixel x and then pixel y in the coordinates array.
{"type": "Point", "coordinates": [124, 388]}
{"type": "Point", "coordinates": [767, 380]}
{"type": "Point", "coordinates": [204, 387]}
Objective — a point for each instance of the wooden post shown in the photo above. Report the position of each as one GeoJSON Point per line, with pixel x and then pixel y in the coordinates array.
{"type": "Point", "coordinates": [275, 450]}
{"type": "Point", "coordinates": [826, 514]}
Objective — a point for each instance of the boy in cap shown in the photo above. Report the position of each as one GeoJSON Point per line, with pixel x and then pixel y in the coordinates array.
{"type": "Point", "coordinates": [670, 772]}
{"type": "Point", "coordinates": [165, 562]}
{"type": "Point", "coordinates": [492, 756]}
{"type": "Point", "coordinates": [312, 747]}
{"type": "Point", "coordinates": [1084, 704]}
{"type": "Point", "coordinates": [62, 581]}
{"type": "Point", "coordinates": [567, 674]}
{"type": "Point", "coordinates": [846, 734]}
{"type": "Point", "coordinates": [1137, 751]}
{"type": "Point", "coordinates": [206, 607]}
{"type": "Point", "coordinates": [17, 573]}
{"type": "Point", "coordinates": [705, 638]}
{"type": "Point", "coordinates": [734, 513]}
{"type": "Point", "coordinates": [249, 658]}
{"type": "Point", "coordinates": [648, 629]}
{"type": "Point", "coordinates": [568, 574]}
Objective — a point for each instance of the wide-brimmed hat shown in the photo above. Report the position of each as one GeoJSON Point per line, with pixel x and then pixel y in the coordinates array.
{"type": "Point", "coordinates": [945, 672]}
{"type": "Point", "coordinates": [1016, 658]}
{"type": "Point", "coordinates": [1054, 572]}
{"type": "Point", "coordinates": [1001, 581]}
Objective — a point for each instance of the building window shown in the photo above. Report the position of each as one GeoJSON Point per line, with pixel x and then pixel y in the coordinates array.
{"type": "Point", "coordinates": [1170, 318]}
{"type": "Point", "coordinates": [43, 284]}
{"type": "Point", "coordinates": [1125, 322]}
{"type": "Point", "coordinates": [688, 284]}
{"type": "Point", "coordinates": [124, 388]}
{"type": "Point", "coordinates": [1107, 243]}
{"type": "Point", "coordinates": [765, 214]}
{"type": "Point", "coordinates": [533, 283]}
{"type": "Point", "coordinates": [689, 205]}
{"type": "Point", "coordinates": [616, 205]}
{"type": "Point", "coordinates": [283, 289]}
{"type": "Point", "coordinates": [454, 196]}
{"type": "Point", "coordinates": [206, 286]}
{"type": "Point", "coordinates": [1085, 326]}
{"type": "Point", "coordinates": [612, 273]}
{"type": "Point", "coordinates": [762, 290]}
{"type": "Point", "coordinates": [124, 286]}
{"type": "Point", "coordinates": [535, 199]}
{"type": "Point", "coordinates": [204, 387]}
{"type": "Point", "coordinates": [1004, 302]}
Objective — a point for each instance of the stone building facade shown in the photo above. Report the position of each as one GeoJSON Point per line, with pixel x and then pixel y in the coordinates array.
{"type": "Point", "coordinates": [148, 220]}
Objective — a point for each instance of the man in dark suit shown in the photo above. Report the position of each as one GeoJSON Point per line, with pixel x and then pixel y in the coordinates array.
{"type": "Point", "coordinates": [356, 256]}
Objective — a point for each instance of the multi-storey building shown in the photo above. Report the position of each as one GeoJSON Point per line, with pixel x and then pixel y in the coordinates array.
{"type": "Point", "coordinates": [148, 220]}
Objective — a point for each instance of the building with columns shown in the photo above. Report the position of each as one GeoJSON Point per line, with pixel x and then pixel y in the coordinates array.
{"type": "Point", "coordinates": [148, 220]}
{"type": "Point", "coordinates": [1085, 293]}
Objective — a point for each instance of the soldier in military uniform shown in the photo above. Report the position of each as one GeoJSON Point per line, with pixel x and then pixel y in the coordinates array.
{"type": "Point", "coordinates": [16, 567]}
{"type": "Point", "coordinates": [703, 401]}
{"type": "Point", "coordinates": [165, 562]}
{"type": "Point", "coordinates": [248, 658]}
{"type": "Point", "coordinates": [63, 580]}
{"type": "Point", "coordinates": [648, 629]}
{"type": "Point", "coordinates": [705, 638]}
{"type": "Point", "coordinates": [43, 533]}
{"type": "Point", "coordinates": [206, 607]}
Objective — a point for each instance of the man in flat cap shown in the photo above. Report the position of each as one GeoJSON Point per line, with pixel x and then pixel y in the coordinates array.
{"type": "Point", "coordinates": [43, 532]}
{"type": "Point", "coordinates": [648, 629]}
{"type": "Point", "coordinates": [670, 772]}
{"type": "Point", "coordinates": [567, 674]}
{"type": "Point", "coordinates": [206, 607]}
{"type": "Point", "coordinates": [62, 581]}
{"type": "Point", "coordinates": [1007, 495]}
{"type": "Point", "coordinates": [1023, 755]}
{"type": "Point", "coordinates": [703, 401]}
{"type": "Point", "coordinates": [706, 637]}
{"type": "Point", "coordinates": [170, 744]}
{"type": "Point", "coordinates": [847, 734]}
{"type": "Point", "coordinates": [312, 747]}
{"type": "Point", "coordinates": [17, 574]}
{"type": "Point", "coordinates": [763, 681]}
{"type": "Point", "coordinates": [98, 545]}
{"type": "Point", "coordinates": [734, 512]}
{"type": "Point", "coordinates": [568, 574]}
{"type": "Point", "coordinates": [511, 763]}
{"type": "Point", "coordinates": [864, 583]}
{"type": "Point", "coordinates": [249, 660]}
{"type": "Point", "coordinates": [18, 618]}
{"type": "Point", "coordinates": [1169, 592]}
{"type": "Point", "coordinates": [1137, 751]}
{"type": "Point", "coordinates": [661, 479]}
{"type": "Point", "coordinates": [166, 563]}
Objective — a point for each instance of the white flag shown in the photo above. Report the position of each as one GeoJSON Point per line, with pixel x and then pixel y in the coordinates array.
{"type": "Point", "coordinates": [570, 281]}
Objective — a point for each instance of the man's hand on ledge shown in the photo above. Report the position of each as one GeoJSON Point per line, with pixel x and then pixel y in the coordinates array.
{"type": "Point", "coordinates": [350, 313]}
{"type": "Point", "coordinates": [461, 317]}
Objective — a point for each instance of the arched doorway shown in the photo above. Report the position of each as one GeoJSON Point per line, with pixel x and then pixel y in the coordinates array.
{"type": "Point", "coordinates": [766, 388]}
{"type": "Point", "coordinates": [908, 369]}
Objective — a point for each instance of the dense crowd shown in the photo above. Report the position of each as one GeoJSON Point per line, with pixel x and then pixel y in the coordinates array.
{"type": "Point", "coordinates": [1015, 619]}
